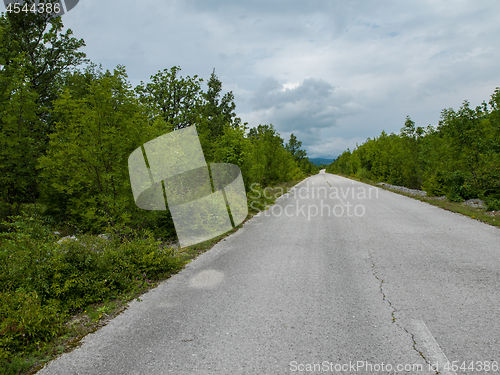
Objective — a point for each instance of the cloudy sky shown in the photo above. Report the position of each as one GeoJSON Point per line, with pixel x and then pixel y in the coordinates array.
{"type": "Point", "coordinates": [332, 72]}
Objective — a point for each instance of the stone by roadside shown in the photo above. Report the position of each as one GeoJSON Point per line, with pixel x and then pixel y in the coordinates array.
{"type": "Point", "coordinates": [442, 198]}
{"type": "Point", "coordinates": [403, 189]}
{"type": "Point", "coordinates": [476, 203]}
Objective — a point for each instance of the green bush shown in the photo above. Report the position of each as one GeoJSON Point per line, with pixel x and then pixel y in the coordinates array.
{"type": "Point", "coordinates": [363, 174]}
{"type": "Point", "coordinates": [435, 185]}
{"type": "Point", "coordinates": [76, 272]}
{"type": "Point", "coordinates": [42, 282]}
{"type": "Point", "coordinates": [25, 322]}
{"type": "Point", "coordinates": [459, 187]}
{"type": "Point", "coordinates": [493, 204]}
{"type": "Point", "coordinates": [77, 276]}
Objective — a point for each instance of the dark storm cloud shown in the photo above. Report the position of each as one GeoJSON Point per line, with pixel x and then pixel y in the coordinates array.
{"type": "Point", "coordinates": [312, 104]}
{"type": "Point", "coordinates": [273, 94]}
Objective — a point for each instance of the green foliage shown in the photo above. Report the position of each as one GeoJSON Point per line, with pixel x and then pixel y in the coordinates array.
{"type": "Point", "coordinates": [18, 145]}
{"type": "Point", "coordinates": [85, 174]}
{"type": "Point", "coordinates": [363, 174]}
{"type": "Point", "coordinates": [176, 99]}
{"type": "Point", "coordinates": [435, 185]}
{"type": "Point", "coordinates": [49, 52]}
{"type": "Point", "coordinates": [232, 147]}
{"type": "Point", "coordinates": [271, 162]}
{"type": "Point", "coordinates": [99, 120]}
{"type": "Point", "coordinates": [34, 54]}
{"type": "Point", "coordinates": [460, 158]}
{"type": "Point", "coordinates": [217, 111]}
{"type": "Point", "coordinates": [459, 187]}
{"type": "Point", "coordinates": [304, 165]}
{"type": "Point", "coordinates": [261, 154]}
{"type": "Point", "coordinates": [294, 147]}
{"type": "Point", "coordinates": [42, 282]}
{"type": "Point", "coordinates": [493, 204]}
{"type": "Point", "coordinates": [25, 323]}
{"type": "Point", "coordinates": [411, 144]}
{"type": "Point", "coordinates": [303, 169]}
{"type": "Point", "coordinates": [67, 137]}
{"type": "Point", "coordinates": [259, 198]}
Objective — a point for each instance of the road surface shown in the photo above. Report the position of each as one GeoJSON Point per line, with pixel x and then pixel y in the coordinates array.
{"type": "Point", "coordinates": [338, 277]}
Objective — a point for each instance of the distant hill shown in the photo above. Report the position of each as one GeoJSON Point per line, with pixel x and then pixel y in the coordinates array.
{"type": "Point", "coordinates": [320, 161]}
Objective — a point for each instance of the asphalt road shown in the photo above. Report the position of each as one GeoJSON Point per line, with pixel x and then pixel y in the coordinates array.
{"type": "Point", "coordinates": [381, 284]}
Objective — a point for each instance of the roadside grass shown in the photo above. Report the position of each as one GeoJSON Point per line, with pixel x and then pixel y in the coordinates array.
{"type": "Point", "coordinates": [53, 295]}
{"type": "Point", "coordinates": [260, 199]}
{"type": "Point", "coordinates": [480, 214]}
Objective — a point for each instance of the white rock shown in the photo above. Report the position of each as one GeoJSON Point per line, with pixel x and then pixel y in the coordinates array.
{"type": "Point", "coordinates": [67, 238]}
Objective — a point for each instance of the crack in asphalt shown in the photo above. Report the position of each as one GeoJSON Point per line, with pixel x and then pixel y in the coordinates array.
{"type": "Point", "coordinates": [327, 181]}
{"type": "Point", "coordinates": [393, 308]}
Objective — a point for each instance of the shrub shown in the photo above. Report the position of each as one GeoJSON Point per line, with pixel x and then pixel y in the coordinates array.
{"type": "Point", "coordinates": [25, 322]}
{"type": "Point", "coordinates": [460, 188]}
{"type": "Point", "coordinates": [42, 281]}
{"type": "Point", "coordinates": [435, 185]}
{"type": "Point", "coordinates": [363, 174]}
{"type": "Point", "coordinates": [493, 204]}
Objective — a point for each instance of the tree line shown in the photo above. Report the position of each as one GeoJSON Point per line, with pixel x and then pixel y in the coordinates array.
{"type": "Point", "coordinates": [67, 127]}
{"type": "Point", "coordinates": [460, 158]}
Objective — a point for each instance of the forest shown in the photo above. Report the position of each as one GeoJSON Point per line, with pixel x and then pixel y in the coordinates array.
{"type": "Point", "coordinates": [459, 158]}
{"type": "Point", "coordinates": [67, 127]}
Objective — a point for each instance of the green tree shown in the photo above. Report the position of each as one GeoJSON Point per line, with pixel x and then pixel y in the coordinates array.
{"type": "Point", "coordinates": [466, 131]}
{"type": "Point", "coordinates": [19, 125]}
{"type": "Point", "coordinates": [85, 174]}
{"type": "Point", "coordinates": [177, 99]}
{"type": "Point", "coordinates": [435, 157]}
{"type": "Point", "coordinates": [410, 138]}
{"type": "Point", "coordinates": [216, 111]}
{"type": "Point", "coordinates": [294, 148]}
{"type": "Point", "coordinates": [459, 158]}
{"type": "Point", "coordinates": [49, 52]}
{"type": "Point", "coordinates": [271, 162]}
{"type": "Point", "coordinates": [34, 53]}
